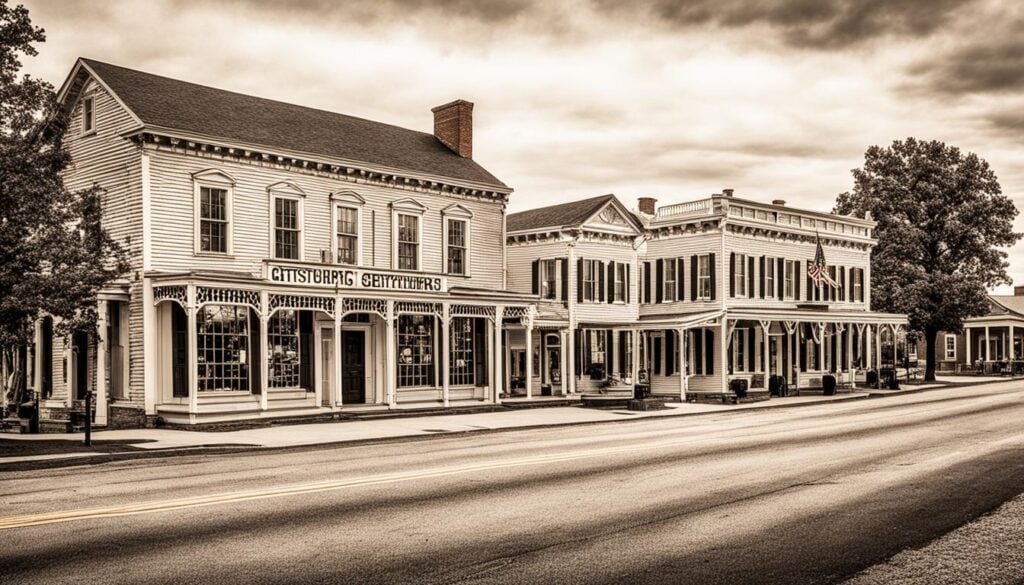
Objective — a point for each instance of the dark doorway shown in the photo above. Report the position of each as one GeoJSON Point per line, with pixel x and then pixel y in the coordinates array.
{"type": "Point", "coordinates": [179, 351]}
{"type": "Point", "coordinates": [80, 347]}
{"type": "Point", "coordinates": [353, 367]}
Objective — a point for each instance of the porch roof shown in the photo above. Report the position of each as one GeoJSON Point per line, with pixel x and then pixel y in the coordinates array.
{"type": "Point", "coordinates": [816, 316]}
{"type": "Point", "coordinates": [684, 321]}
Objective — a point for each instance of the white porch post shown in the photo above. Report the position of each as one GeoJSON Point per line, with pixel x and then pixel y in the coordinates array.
{"type": "Point", "coordinates": [193, 349]}
{"type": "Point", "coordinates": [529, 358]}
{"type": "Point", "coordinates": [1011, 353]}
{"type": "Point", "coordinates": [634, 356]}
{"type": "Point", "coordinates": [564, 357]}
{"type": "Point", "coordinates": [569, 348]}
{"type": "Point", "coordinates": [766, 352]}
{"type": "Point", "coordinates": [723, 349]}
{"type": "Point", "coordinates": [821, 347]}
{"type": "Point", "coordinates": [264, 364]}
{"type": "Point", "coordinates": [445, 349]}
{"type": "Point", "coordinates": [391, 363]}
{"type": "Point", "coordinates": [849, 350]}
{"type": "Point", "coordinates": [337, 398]}
{"type": "Point", "coordinates": [967, 343]}
{"type": "Point", "coordinates": [37, 357]}
{"type": "Point", "coordinates": [101, 362]}
{"type": "Point", "coordinates": [878, 351]}
{"type": "Point", "coordinates": [499, 369]}
{"type": "Point", "coordinates": [869, 353]}
{"type": "Point", "coordinates": [988, 345]}
{"type": "Point", "coordinates": [683, 382]}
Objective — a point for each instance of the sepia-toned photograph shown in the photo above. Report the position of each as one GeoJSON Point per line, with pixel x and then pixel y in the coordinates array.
{"type": "Point", "coordinates": [488, 292]}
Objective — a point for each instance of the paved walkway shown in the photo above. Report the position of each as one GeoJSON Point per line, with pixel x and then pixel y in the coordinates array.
{"type": "Point", "coordinates": [379, 429]}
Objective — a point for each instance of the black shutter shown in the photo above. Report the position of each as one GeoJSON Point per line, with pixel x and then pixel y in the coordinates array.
{"type": "Point", "coordinates": [812, 291]}
{"type": "Point", "coordinates": [612, 266]}
{"type": "Point", "coordinates": [680, 281]}
{"type": "Point", "coordinates": [670, 352]}
{"type": "Point", "coordinates": [796, 280]}
{"type": "Point", "coordinates": [802, 343]}
{"type": "Point", "coordinates": [659, 282]}
{"type": "Point", "coordinates": [624, 369]}
{"type": "Point", "coordinates": [709, 352]}
{"type": "Point", "coordinates": [306, 350]}
{"type": "Point", "coordinates": [565, 278]}
{"type": "Point", "coordinates": [255, 357]}
{"type": "Point", "coordinates": [698, 345]}
{"type": "Point", "coordinates": [751, 362]}
{"type": "Point", "coordinates": [711, 267]}
{"type": "Point", "coordinates": [600, 283]}
{"type": "Point", "coordinates": [780, 278]}
{"type": "Point", "coordinates": [844, 294]}
{"type": "Point", "coordinates": [629, 284]}
{"type": "Point", "coordinates": [763, 263]}
{"type": "Point", "coordinates": [480, 351]}
{"type": "Point", "coordinates": [750, 276]}
{"type": "Point", "coordinates": [693, 278]}
{"type": "Point", "coordinates": [579, 280]}
{"type": "Point", "coordinates": [536, 277]}
{"type": "Point", "coordinates": [656, 355]}
{"type": "Point", "coordinates": [647, 282]}
{"type": "Point", "coordinates": [609, 334]}
{"type": "Point", "coordinates": [732, 274]}
{"type": "Point", "coordinates": [179, 351]}
{"type": "Point", "coordinates": [577, 339]}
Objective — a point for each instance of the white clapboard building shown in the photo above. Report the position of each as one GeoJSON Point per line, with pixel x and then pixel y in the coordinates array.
{"type": "Point", "coordinates": [693, 296]}
{"type": "Point", "coordinates": [286, 261]}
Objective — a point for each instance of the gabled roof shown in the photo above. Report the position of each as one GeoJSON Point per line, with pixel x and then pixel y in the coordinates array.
{"type": "Point", "coordinates": [1012, 303]}
{"type": "Point", "coordinates": [169, 104]}
{"type": "Point", "coordinates": [565, 215]}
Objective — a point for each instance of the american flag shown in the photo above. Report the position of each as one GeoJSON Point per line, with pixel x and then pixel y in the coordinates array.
{"type": "Point", "coordinates": [818, 270]}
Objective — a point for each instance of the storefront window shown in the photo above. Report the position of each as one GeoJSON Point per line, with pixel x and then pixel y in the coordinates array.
{"type": "Point", "coordinates": [415, 350]}
{"type": "Point", "coordinates": [283, 341]}
{"type": "Point", "coordinates": [222, 337]}
{"type": "Point", "coordinates": [461, 356]}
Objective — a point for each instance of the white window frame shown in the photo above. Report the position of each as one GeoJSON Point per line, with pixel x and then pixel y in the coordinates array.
{"type": "Point", "coordinates": [704, 277]}
{"type": "Point", "coordinates": [949, 337]}
{"type": "Point", "coordinates": [770, 266]}
{"type": "Point", "coordinates": [291, 192]}
{"type": "Point", "coordinates": [740, 339]}
{"type": "Point", "coordinates": [858, 285]}
{"type": "Point", "coordinates": [590, 293]}
{"type": "Point", "coordinates": [457, 213]}
{"type": "Point", "coordinates": [213, 179]}
{"type": "Point", "coordinates": [668, 286]}
{"type": "Point", "coordinates": [553, 294]}
{"type": "Point", "coordinates": [620, 296]}
{"type": "Point", "coordinates": [789, 280]}
{"type": "Point", "coordinates": [348, 200]}
{"type": "Point", "coordinates": [412, 208]}
{"type": "Point", "coordinates": [89, 128]}
{"type": "Point", "coordinates": [739, 276]}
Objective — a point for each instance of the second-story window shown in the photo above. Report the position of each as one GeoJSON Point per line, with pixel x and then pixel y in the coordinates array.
{"type": "Point", "coordinates": [790, 282]}
{"type": "Point", "coordinates": [740, 275]}
{"type": "Point", "coordinates": [213, 220]}
{"type": "Point", "coordinates": [620, 282]}
{"type": "Point", "coordinates": [669, 291]}
{"type": "Point", "coordinates": [549, 279]}
{"type": "Point", "coordinates": [408, 242]}
{"type": "Point", "coordinates": [769, 278]}
{"type": "Point", "coordinates": [457, 238]}
{"type": "Point", "coordinates": [347, 233]}
{"type": "Point", "coordinates": [88, 115]}
{"type": "Point", "coordinates": [704, 277]}
{"type": "Point", "coordinates": [590, 269]}
{"type": "Point", "coordinates": [858, 285]}
{"type": "Point", "coordinates": [287, 231]}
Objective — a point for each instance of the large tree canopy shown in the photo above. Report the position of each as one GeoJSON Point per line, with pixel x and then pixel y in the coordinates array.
{"type": "Point", "coordinates": [54, 253]}
{"type": "Point", "coordinates": [942, 225]}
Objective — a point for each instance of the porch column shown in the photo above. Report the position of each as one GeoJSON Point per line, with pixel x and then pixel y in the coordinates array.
{"type": "Point", "coordinates": [499, 370]}
{"type": "Point", "coordinates": [569, 348]}
{"type": "Point", "coordinates": [878, 352]}
{"type": "Point", "coordinates": [821, 348]}
{"type": "Point", "coordinates": [391, 363]}
{"type": "Point", "coordinates": [337, 398]}
{"type": "Point", "coordinates": [101, 362]}
{"type": "Point", "coordinates": [849, 350]}
{"type": "Point", "coordinates": [69, 371]}
{"type": "Point", "coordinates": [869, 353]}
{"type": "Point", "coordinates": [529, 358]}
{"type": "Point", "coordinates": [723, 349]}
{"type": "Point", "coordinates": [445, 349]}
{"type": "Point", "coordinates": [634, 356]}
{"type": "Point", "coordinates": [683, 382]}
{"type": "Point", "coordinates": [264, 364]}
{"type": "Point", "coordinates": [988, 344]}
{"type": "Point", "coordinates": [967, 342]}
{"type": "Point", "coordinates": [1012, 353]}
{"type": "Point", "coordinates": [193, 350]}
{"type": "Point", "coordinates": [564, 357]}
{"type": "Point", "coordinates": [766, 353]}
{"type": "Point", "coordinates": [37, 357]}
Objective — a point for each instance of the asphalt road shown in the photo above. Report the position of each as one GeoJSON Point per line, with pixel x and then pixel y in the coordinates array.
{"type": "Point", "coordinates": [802, 495]}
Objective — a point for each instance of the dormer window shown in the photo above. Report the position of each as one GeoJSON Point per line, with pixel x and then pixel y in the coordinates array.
{"type": "Point", "coordinates": [88, 115]}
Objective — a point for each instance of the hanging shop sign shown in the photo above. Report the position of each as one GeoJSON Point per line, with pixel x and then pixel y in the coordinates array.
{"type": "Point", "coordinates": [338, 277]}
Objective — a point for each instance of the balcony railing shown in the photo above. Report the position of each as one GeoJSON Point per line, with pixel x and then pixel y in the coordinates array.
{"type": "Point", "coordinates": [689, 208]}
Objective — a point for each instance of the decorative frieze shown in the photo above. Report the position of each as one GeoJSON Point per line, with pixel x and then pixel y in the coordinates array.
{"type": "Point", "coordinates": [178, 293]}
{"type": "Point", "coordinates": [302, 302]}
{"type": "Point", "coordinates": [227, 296]}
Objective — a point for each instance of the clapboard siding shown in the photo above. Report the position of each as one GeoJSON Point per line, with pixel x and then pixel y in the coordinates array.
{"type": "Point", "coordinates": [684, 246]}
{"type": "Point", "coordinates": [174, 220]}
{"type": "Point", "coordinates": [605, 312]}
{"type": "Point", "coordinates": [520, 259]}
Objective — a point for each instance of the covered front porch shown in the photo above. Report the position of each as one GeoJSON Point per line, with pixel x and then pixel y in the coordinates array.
{"type": "Point", "coordinates": [994, 347]}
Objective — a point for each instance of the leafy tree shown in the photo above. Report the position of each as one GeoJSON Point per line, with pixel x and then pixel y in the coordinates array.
{"type": "Point", "coordinates": [942, 221]}
{"type": "Point", "coordinates": [54, 253]}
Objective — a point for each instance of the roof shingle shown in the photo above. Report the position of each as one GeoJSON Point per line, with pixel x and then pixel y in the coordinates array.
{"type": "Point", "coordinates": [570, 214]}
{"type": "Point", "coordinates": [189, 107]}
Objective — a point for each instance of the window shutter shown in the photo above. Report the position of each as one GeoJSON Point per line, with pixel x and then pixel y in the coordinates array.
{"type": "Point", "coordinates": [763, 262]}
{"type": "Point", "coordinates": [843, 293]}
{"type": "Point", "coordinates": [680, 281]}
{"type": "Point", "coordinates": [659, 281]}
{"type": "Point", "coordinates": [608, 335]}
{"type": "Point", "coordinates": [599, 296]}
{"type": "Point", "coordinates": [656, 355]}
{"type": "Point", "coordinates": [577, 341]}
{"type": "Point", "coordinates": [811, 289]}
{"type": "Point", "coordinates": [693, 278]}
{"type": "Point", "coordinates": [670, 362]}
{"type": "Point", "coordinates": [647, 282]}
{"type": "Point", "coordinates": [612, 266]}
{"type": "Point", "coordinates": [565, 278]}
{"type": "Point", "coordinates": [780, 278]}
{"type": "Point", "coordinates": [698, 352]}
{"type": "Point", "coordinates": [629, 290]}
{"type": "Point", "coordinates": [751, 362]}
{"type": "Point", "coordinates": [579, 280]}
{"type": "Point", "coordinates": [714, 277]}
{"type": "Point", "coordinates": [750, 276]}
{"type": "Point", "coordinates": [536, 277]}
{"type": "Point", "coordinates": [624, 368]}
{"type": "Point", "coordinates": [796, 280]}
{"type": "Point", "coordinates": [709, 352]}
{"type": "Point", "coordinates": [732, 274]}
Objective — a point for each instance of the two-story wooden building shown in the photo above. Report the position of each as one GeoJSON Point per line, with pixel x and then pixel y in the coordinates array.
{"type": "Point", "coordinates": [695, 295]}
{"type": "Point", "coordinates": [285, 260]}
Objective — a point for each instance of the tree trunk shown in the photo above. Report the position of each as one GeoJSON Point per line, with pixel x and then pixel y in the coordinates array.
{"type": "Point", "coordinates": [929, 338]}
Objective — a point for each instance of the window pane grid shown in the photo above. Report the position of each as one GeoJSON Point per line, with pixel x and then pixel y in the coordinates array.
{"type": "Point", "coordinates": [222, 340]}
{"type": "Point", "coordinates": [348, 235]}
{"type": "Point", "coordinates": [550, 286]}
{"type": "Point", "coordinates": [213, 220]}
{"type": "Point", "coordinates": [460, 357]}
{"type": "Point", "coordinates": [285, 357]}
{"type": "Point", "coordinates": [408, 242]}
{"type": "Point", "coordinates": [456, 246]}
{"type": "Point", "coordinates": [286, 228]}
{"type": "Point", "coordinates": [415, 350]}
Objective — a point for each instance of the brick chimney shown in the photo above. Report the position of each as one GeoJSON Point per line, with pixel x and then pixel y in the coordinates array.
{"type": "Point", "coordinates": [779, 202]}
{"type": "Point", "coordinates": [453, 126]}
{"type": "Point", "coordinates": [646, 205]}
{"type": "Point", "coordinates": [1018, 291]}
{"type": "Point", "coordinates": [727, 192]}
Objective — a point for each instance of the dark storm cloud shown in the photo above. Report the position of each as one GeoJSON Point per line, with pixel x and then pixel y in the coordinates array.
{"type": "Point", "coordinates": [811, 24]}
{"type": "Point", "coordinates": [483, 11]}
{"type": "Point", "coordinates": [990, 65]}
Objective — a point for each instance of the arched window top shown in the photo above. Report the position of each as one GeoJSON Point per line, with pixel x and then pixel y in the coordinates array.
{"type": "Point", "coordinates": [286, 188]}
{"type": "Point", "coordinates": [213, 175]}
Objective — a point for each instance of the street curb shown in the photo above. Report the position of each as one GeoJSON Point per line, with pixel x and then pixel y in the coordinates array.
{"type": "Point", "coordinates": [218, 449]}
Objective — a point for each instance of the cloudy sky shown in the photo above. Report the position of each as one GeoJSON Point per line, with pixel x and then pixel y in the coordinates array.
{"type": "Point", "coordinates": [676, 100]}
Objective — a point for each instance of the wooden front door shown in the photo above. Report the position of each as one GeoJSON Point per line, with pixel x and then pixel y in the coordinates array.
{"type": "Point", "coordinates": [353, 367]}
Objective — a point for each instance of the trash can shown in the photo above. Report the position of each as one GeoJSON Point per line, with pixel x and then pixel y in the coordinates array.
{"type": "Point", "coordinates": [775, 385]}
{"type": "Point", "coordinates": [871, 378]}
{"type": "Point", "coordinates": [545, 390]}
{"type": "Point", "coordinates": [739, 387]}
{"type": "Point", "coordinates": [641, 391]}
{"type": "Point", "coordinates": [828, 384]}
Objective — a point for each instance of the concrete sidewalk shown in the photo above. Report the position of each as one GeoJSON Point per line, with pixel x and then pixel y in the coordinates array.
{"type": "Point", "coordinates": [143, 440]}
